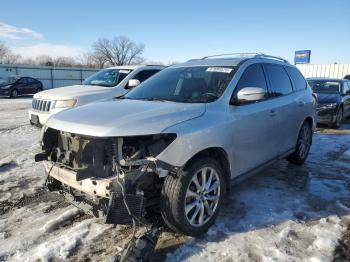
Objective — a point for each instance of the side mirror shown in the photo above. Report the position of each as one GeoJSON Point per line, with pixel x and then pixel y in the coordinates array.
{"type": "Point", "coordinates": [132, 83]}
{"type": "Point", "coordinates": [249, 95]}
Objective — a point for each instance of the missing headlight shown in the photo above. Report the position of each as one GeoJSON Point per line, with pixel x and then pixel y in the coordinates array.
{"type": "Point", "coordinates": [139, 147]}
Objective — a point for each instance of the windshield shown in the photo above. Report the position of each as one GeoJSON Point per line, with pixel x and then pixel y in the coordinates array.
{"type": "Point", "coordinates": [8, 80]}
{"type": "Point", "coordinates": [107, 77]}
{"type": "Point", "coordinates": [199, 84]}
{"type": "Point", "coordinates": [326, 87]}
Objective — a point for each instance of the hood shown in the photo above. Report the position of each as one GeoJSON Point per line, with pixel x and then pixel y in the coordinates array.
{"type": "Point", "coordinates": [124, 117]}
{"type": "Point", "coordinates": [328, 98]}
{"type": "Point", "coordinates": [6, 84]}
{"type": "Point", "coordinates": [68, 92]}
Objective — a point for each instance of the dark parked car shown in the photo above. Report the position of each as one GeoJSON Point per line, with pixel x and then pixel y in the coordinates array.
{"type": "Point", "coordinates": [13, 86]}
{"type": "Point", "coordinates": [333, 99]}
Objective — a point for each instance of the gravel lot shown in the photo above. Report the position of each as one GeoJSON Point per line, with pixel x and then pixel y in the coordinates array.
{"type": "Point", "coordinates": [285, 213]}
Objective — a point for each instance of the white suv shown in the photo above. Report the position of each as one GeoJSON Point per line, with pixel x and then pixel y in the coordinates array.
{"type": "Point", "coordinates": [105, 84]}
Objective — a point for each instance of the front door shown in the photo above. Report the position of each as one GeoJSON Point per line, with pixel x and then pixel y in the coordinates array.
{"type": "Point", "coordinates": [255, 128]}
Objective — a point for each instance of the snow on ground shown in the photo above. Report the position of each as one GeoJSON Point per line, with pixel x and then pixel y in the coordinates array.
{"type": "Point", "coordinates": [285, 213]}
{"type": "Point", "coordinates": [32, 225]}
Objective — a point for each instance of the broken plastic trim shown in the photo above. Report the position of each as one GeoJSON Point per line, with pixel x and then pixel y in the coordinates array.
{"type": "Point", "coordinates": [140, 248]}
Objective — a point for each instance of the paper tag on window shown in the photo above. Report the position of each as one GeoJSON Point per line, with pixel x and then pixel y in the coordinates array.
{"type": "Point", "coordinates": [219, 70]}
{"type": "Point", "coordinates": [124, 71]}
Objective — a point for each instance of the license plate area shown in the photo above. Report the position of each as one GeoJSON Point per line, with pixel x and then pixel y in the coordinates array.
{"type": "Point", "coordinates": [34, 119]}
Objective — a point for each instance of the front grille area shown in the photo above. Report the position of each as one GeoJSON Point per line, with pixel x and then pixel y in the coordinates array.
{"type": "Point", "coordinates": [41, 105]}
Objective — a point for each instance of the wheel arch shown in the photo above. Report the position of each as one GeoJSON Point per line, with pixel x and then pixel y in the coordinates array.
{"type": "Point", "coordinates": [309, 120]}
{"type": "Point", "coordinates": [220, 155]}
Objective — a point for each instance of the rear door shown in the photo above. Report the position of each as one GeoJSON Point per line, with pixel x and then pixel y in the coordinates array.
{"type": "Point", "coordinates": [285, 100]}
{"type": "Point", "coordinates": [33, 85]}
{"type": "Point", "coordinates": [21, 85]}
{"type": "Point", "coordinates": [255, 129]}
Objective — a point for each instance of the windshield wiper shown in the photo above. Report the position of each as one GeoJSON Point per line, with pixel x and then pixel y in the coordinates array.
{"type": "Point", "coordinates": [97, 85]}
{"type": "Point", "coordinates": [206, 98]}
{"type": "Point", "coordinates": [153, 99]}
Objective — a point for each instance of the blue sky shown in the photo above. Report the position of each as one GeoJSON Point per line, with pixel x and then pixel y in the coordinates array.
{"type": "Point", "coordinates": [180, 30]}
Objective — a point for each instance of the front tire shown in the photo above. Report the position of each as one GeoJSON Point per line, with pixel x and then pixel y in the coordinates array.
{"type": "Point", "coordinates": [14, 93]}
{"type": "Point", "coordinates": [338, 118]}
{"type": "Point", "coordinates": [191, 200]}
{"type": "Point", "coordinates": [303, 145]}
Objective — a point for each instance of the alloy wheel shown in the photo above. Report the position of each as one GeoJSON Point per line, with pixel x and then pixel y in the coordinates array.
{"type": "Point", "coordinates": [202, 196]}
{"type": "Point", "coordinates": [339, 117]}
{"type": "Point", "coordinates": [304, 141]}
{"type": "Point", "coordinates": [14, 93]}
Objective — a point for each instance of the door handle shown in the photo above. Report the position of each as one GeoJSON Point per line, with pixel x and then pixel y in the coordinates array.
{"type": "Point", "coordinates": [273, 113]}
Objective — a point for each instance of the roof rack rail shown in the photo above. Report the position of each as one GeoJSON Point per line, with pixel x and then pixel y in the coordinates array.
{"type": "Point", "coordinates": [272, 57]}
{"type": "Point", "coordinates": [153, 65]}
{"type": "Point", "coordinates": [249, 55]}
{"type": "Point", "coordinates": [232, 54]}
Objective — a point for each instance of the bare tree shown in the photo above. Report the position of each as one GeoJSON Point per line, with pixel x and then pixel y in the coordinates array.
{"type": "Point", "coordinates": [91, 60]}
{"type": "Point", "coordinates": [119, 51]}
{"type": "Point", "coordinates": [3, 51]}
{"type": "Point", "coordinates": [65, 61]}
{"type": "Point", "coordinates": [99, 59]}
{"type": "Point", "coordinates": [105, 52]}
{"type": "Point", "coordinates": [11, 58]}
{"type": "Point", "coordinates": [27, 61]}
{"type": "Point", "coordinates": [7, 56]}
{"type": "Point", "coordinates": [44, 60]}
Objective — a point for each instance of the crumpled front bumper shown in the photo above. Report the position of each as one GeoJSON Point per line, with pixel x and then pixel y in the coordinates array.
{"type": "Point", "coordinates": [326, 115]}
{"type": "Point", "coordinates": [104, 197]}
{"type": "Point", "coordinates": [5, 92]}
{"type": "Point", "coordinates": [96, 187]}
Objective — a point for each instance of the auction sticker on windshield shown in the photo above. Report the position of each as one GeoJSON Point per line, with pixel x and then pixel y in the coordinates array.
{"type": "Point", "coordinates": [219, 69]}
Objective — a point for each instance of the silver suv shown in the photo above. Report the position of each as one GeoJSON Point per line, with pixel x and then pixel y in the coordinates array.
{"type": "Point", "coordinates": [171, 145]}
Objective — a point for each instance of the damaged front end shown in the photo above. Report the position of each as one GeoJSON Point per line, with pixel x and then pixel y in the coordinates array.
{"type": "Point", "coordinates": [116, 177]}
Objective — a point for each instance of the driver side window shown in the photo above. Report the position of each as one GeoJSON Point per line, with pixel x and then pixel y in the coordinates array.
{"type": "Point", "coordinates": [252, 77]}
{"type": "Point", "coordinates": [347, 88]}
{"type": "Point", "coordinates": [143, 75]}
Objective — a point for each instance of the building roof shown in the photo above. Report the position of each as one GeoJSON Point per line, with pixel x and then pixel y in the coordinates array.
{"type": "Point", "coordinates": [326, 79]}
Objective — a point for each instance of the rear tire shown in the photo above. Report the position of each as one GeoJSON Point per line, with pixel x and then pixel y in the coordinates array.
{"type": "Point", "coordinates": [303, 145]}
{"type": "Point", "coordinates": [189, 205]}
{"type": "Point", "coordinates": [14, 93]}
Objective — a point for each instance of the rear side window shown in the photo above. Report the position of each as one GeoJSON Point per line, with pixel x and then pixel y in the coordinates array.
{"type": "Point", "coordinates": [143, 75]}
{"type": "Point", "coordinates": [279, 80]}
{"type": "Point", "coordinates": [23, 80]}
{"type": "Point", "coordinates": [253, 76]}
{"type": "Point", "coordinates": [298, 80]}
